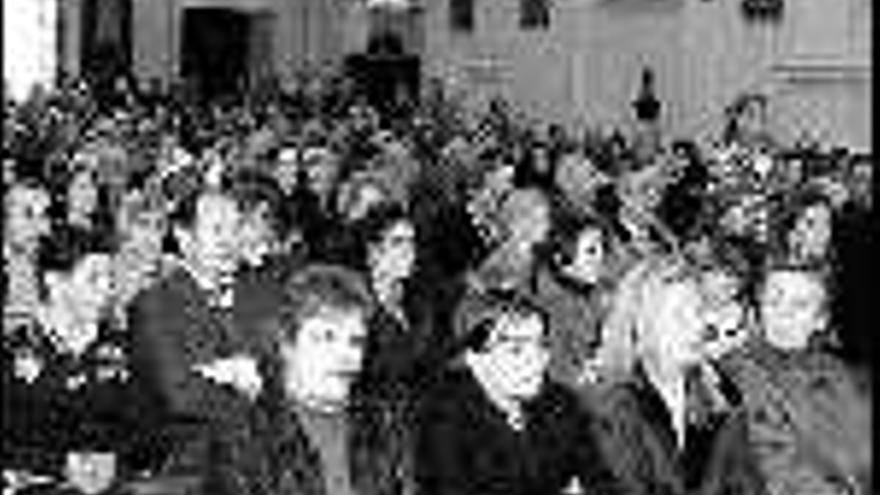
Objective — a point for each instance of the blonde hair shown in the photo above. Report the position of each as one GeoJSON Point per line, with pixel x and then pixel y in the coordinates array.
{"type": "Point", "coordinates": [630, 315]}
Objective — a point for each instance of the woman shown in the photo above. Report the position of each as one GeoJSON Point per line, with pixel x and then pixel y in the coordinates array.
{"type": "Point", "coordinates": [83, 213]}
{"type": "Point", "coordinates": [573, 286]}
{"type": "Point", "coordinates": [809, 424]}
{"type": "Point", "coordinates": [805, 225]}
{"type": "Point", "coordinates": [671, 423]}
{"type": "Point", "coordinates": [66, 381]}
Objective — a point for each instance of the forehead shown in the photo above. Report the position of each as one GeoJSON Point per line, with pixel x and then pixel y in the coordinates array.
{"type": "Point", "coordinates": [348, 321]}
{"type": "Point", "coordinates": [93, 263]}
{"type": "Point", "coordinates": [589, 235]}
{"type": "Point", "coordinates": [401, 229]}
{"type": "Point", "coordinates": [31, 197]}
{"type": "Point", "coordinates": [518, 326]}
{"type": "Point", "coordinates": [793, 285]}
{"type": "Point", "coordinates": [216, 207]}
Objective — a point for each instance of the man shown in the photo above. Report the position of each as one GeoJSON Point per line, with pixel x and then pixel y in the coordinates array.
{"type": "Point", "coordinates": [328, 435]}
{"type": "Point", "coordinates": [198, 374]}
{"type": "Point", "coordinates": [497, 426]}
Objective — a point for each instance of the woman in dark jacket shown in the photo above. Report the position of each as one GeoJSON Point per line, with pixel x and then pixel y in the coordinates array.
{"type": "Point", "coordinates": [496, 426]}
{"type": "Point", "coordinates": [671, 423]}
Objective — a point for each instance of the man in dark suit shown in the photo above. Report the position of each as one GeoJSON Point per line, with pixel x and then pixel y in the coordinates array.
{"type": "Point", "coordinates": [198, 374]}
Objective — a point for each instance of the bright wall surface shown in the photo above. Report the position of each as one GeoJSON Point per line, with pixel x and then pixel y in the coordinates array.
{"type": "Point", "coordinates": [29, 44]}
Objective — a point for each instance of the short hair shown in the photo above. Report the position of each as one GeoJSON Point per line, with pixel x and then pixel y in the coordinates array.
{"type": "Point", "coordinates": [318, 287]}
{"type": "Point", "coordinates": [486, 310]}
{"type": "Point", "coordinates": [378, 219]}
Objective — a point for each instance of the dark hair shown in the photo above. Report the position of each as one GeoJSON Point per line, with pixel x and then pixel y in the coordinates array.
{"type": "Point", "coordinates": [492, 307]}
{"type": "Point", "coordinates": [566, 231]}
{"type": "Point", "coordinates": [789, 211]}
{"type": "Point", "coordinates": [379, 218]}
{"type": "Point", "coordinates": [62, 251]}
{"type": "Point", "coordinates": [318, 287]}
{"type": "Point", "coordinates": [251, 188]}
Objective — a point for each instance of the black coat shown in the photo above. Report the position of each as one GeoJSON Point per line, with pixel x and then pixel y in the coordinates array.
{"type": "Point", "coordinates": [465, 445]}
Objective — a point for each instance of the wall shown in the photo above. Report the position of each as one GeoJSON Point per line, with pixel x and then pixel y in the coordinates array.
{"type": "Point", "coordinates": [585, 68]}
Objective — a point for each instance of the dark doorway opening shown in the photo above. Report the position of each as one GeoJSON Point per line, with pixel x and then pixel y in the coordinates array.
{"type": "Point", "coordinates": [215, 52]}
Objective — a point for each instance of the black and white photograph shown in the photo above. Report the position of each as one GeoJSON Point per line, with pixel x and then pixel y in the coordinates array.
{"type": "Point", "coordinates": [437, 247]}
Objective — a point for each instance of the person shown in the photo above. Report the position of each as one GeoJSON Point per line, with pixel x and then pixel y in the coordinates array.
{"type": "Point", "coordinates": [197, 373]}
{"type": "Point", "coordinates": [26, 223]}
{"type": "Point", "coordinates": [494, 423]}
{"type": "Point", "coordinates": [574, 285]}
{"type": "Point", "coordinates": [671, 422]}
{"type": "Point", "coordinates": [806, 228]}
{"type": "Point", "coordinates": [855, 240]}
{"type": "Point", "coordinates": [809, 422]}
{"type": "Point", "coordinates": [66, 381]}
{"type": "Point", "coordinates": [327, 433]}
{"type": "Point", "coordinates": [84, 213]}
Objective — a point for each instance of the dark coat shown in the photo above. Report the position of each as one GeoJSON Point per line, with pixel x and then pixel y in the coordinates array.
{"type": "Point", "coordinates": [173, 329]}
{"type": "Point", "coordinates": [637, 434]}
{"type": "Point", "coordinates": [465, 445]}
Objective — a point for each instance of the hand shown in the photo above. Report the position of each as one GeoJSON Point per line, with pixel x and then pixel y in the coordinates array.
{"type": "Point", "coordinates": [238, 371]}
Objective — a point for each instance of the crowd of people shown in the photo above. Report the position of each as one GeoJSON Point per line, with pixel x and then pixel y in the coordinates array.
{"type": "Point", "coordinates": [293, 292]}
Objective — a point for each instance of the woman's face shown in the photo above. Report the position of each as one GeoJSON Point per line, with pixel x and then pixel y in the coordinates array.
{"type": "Point", "coordinates": [589, 256]}
{"type": "Point", "coordinates": [83, 193]}
{"type": "Point", "coordinates": [792, 309]}
{"type": "Point", "coordinates": [26, 216]}
{"type": "Point", "coordinates": [395, 254]}
{"type": "Point", "coordinates": [673, 326]}
{"type": "Point", "coordinates": [811, 235]}
{"type": "Point", "coordinates": [724, 315]}
{"type": "Point", "coordinates": [90, 285]}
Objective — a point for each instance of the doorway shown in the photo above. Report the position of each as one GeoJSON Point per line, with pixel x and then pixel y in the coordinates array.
{"type": "Point", "coordinates": [214, 61]}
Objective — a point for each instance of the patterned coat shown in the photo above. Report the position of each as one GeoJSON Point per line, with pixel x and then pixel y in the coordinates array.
{"type": "Point", "coordinates": [809, 426]}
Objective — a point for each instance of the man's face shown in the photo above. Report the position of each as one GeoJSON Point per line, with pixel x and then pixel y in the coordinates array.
{"type": "Point", "coordinates": [215, 234]}
{"type": "Point", "coordinates": [589, 257]}
{"type": "Point", "coordinates": [90, 286]}
{"type": "Point", "coordinates": [792, 309]}
{"type": "Point", "coordinates": [326, 357]}
{"type": "Point", "coordinates": [516, 358]}
{"type": "Point", "coordinates": [27, 218]}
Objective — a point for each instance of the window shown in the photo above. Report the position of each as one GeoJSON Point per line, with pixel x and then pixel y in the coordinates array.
{"type": "Point", "coordinates": [534, 14]}
{"type": "Point", "coordinates": [461, 15]}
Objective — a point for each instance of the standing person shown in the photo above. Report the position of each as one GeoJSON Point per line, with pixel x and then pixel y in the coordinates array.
{"type": "Point", "coordinates": [671, 423]}
{"type": "Point", "coordinates": [809, 422]}
{"type": "Point", "coordinates": [496, 425]}
{"type": "Point", "coordinates": [197, 374]}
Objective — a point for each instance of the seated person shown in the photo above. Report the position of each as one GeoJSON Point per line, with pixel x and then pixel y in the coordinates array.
{"type": "Point", "coordinates": [809, 424]}
{"type": "Point", "coordinates": [495, 424]}
{"type": "Point", "coordinates": [65, 380]}
{"type": "Point", "coordinates": [326, 432]}
{"type": "Point", "coordinates": [671, 423]}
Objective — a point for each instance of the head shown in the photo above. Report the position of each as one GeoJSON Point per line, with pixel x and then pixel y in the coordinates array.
{"type": "Point", "coordinates": [860, 177]}
{"type": "Point", "coordinates": [323, 334]}
{"type": "Point", "coordinates": [27, 219]}
{"type": "Point", "coordinates": [78, 279]}
{"type": "Point", "coordinates": [206, 226]}
{"type": "Point", "coordinates": [82, 191]}
{"type": "Point", "coordinates": [581, 247]}
{"type": "Point", "coordinates": [389, 242]}
{"type": "Point", "coordinates": [142, 224]}
{"type": "Point", "coordinates": [526, 215]}
{"type": "Point", "coordinates": [361, 194]}
{"type": "Point", "coordinates": [748, 116]}
{"type": "Point", "coordinates": [287, 170]}
{"type": "Point", "coordinates": [260, 203]}
{"type": "Point", "coordinates": [807, 227]}
{"type": "Point", "coordinates": [793, 307]}
{"type": "Point", "coordinates": [508, 351]}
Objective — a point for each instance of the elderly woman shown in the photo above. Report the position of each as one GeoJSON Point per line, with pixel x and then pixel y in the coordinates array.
{"type": "Point", "coordinates": [809, 424]}
{"type": "Point", "coordinates": [672, 424]}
